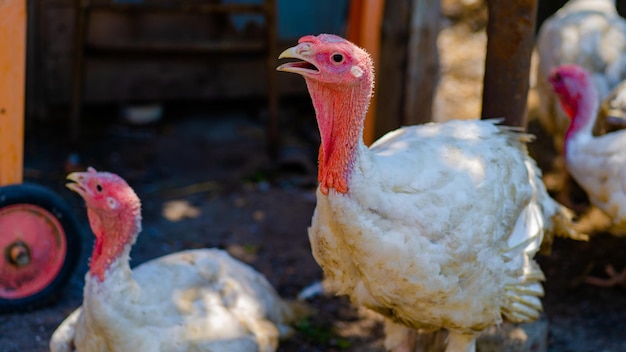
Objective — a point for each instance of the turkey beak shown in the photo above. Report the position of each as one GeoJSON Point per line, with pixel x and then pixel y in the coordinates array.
{"type": "Point", "coordinates": [304, 52]}
{"type": "Point", "coordinates": [79, 179]}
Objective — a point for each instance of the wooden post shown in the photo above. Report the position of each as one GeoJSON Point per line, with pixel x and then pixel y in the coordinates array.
{"type": "Point", "coordinates": [273, 125]}
{"type": "Point", "coordinates": [364, 21]}
{"type": "Point", "coordinates": [391, 70]}
{"type": "Point", "coordinates": [12, 89]}
{"type": "Point", "coordinates": [407, 67]}
{"type": "Point", "coordinates": [81, 17]}
{"type": "Point", "coordinates": [510, 40]}
{"type": "Point", "coordinates": [422, 62]}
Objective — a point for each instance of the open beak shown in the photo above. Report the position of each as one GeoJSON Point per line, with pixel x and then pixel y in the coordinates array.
{"type": "Point", "coordinates": [303, 52]}
{"type": "Point", "coordinates": [79, 181]}
{"type": "Point", "coordinates": [77, 184]}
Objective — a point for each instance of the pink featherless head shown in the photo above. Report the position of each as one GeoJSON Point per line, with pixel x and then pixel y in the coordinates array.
{"type": "Point", "coordinates": [571, 83]}
{"type": "Point", "coordinates": [114, 213]}
{"type": "Point", "coordinates": [328, 58]}
{"type": "Point", "coordinates": [103, 191]}
{"type": "Point", "coordinates": [340, 79]}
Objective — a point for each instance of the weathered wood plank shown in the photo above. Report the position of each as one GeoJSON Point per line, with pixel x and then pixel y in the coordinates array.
{"type": "Point", "coordinates": [12, 89]}
{"type": "Point", "coordinates": [364, 24]}
{"type": "Point", "coordinates": [391, 74]}
{"type": "Point", "coordinates": [510, 40]}
{"type": "Point", "coordinates": [422, 62]}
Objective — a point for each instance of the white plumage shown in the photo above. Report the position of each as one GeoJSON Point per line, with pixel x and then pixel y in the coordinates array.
{"type": "Point", "coordinates": [589, 33]}
{"type": "Point", "coordinates": [434, 226]}
{"type": "Point", "coordinates": [599, 166]}
{"type": "Point", "coordinates": [439, 228]}
{"type": "Point", "coordinates": [195, 300]}
{"type": "Point", "coordinates": [597, 163]}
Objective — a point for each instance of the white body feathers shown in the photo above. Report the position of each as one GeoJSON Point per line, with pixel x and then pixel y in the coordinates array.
{"type": "Point", "coordinates": [589, 33]}
{"type": "Point", "coordinates": [439, 227]}
{"type": "Point", "coordinates": [196, 300]}
{"type": "Point", "coordinates": [598, 164]}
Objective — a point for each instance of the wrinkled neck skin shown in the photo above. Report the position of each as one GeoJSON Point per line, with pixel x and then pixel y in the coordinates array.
{"type": "Point", "coordinates": [114, 239]}
{"type": "Point", "coordinates": [109, 286]}
{"type": "Point", "coordinates": [340, 113]}
{"type": "Point", "coordinates": [582, 109]}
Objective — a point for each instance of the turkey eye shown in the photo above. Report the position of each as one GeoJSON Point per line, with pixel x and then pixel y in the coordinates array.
{"type": "Point", "coordinates": [557, 77]}
{"type": "Point", "coordinates": [338, 58]}
{"type": "Point", "coordinates": [99, 188]}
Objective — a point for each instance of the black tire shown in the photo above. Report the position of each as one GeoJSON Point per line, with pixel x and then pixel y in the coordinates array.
{"type": "Point", "coordinates": [36, 195]}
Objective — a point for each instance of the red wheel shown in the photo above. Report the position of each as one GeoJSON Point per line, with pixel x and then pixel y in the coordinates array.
{"type": "Point", "coordinates": [39, 246]}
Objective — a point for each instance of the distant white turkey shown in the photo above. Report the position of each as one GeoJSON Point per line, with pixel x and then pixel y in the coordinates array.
{"type": "Point", "coordinates": [589, 33]}
{"type": "Point", "coordinates": [597, 163]}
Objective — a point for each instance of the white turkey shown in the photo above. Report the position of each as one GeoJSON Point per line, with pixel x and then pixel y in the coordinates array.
{"type": "Point", "coordinates": [597, 163]}
{"type": "Point", "coordinates": [589, 33]}
{"type": "Point", "coordinates": [434, 226]}
{"type": "Point", "coordinates": [194, 300]}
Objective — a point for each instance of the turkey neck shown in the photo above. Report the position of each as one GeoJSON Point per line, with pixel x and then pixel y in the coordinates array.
{"type": "Point", "coordinates": [114, 239]}
{"type": "Point", "coordinates": [340, 111]}
{"type": "Point", "coordinates": [582, 109]}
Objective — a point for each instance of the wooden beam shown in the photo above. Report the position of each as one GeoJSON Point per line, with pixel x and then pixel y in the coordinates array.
{"type": "Point", "coordinates": [391, 70]}
{"type": "Point", "coordinates": [273, 121]}
{"type": "Point", "coordinates": [510, 40]}
{"type": "Point", "coordinates": [422, 62]}
{"type": "Point", "coordinates": [364, 22]}
{"type": "Point", "coordinates": [12, 89]}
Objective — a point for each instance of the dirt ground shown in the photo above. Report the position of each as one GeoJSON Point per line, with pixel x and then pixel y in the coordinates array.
{"type": "Point", "coordinates": [205, 181]}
